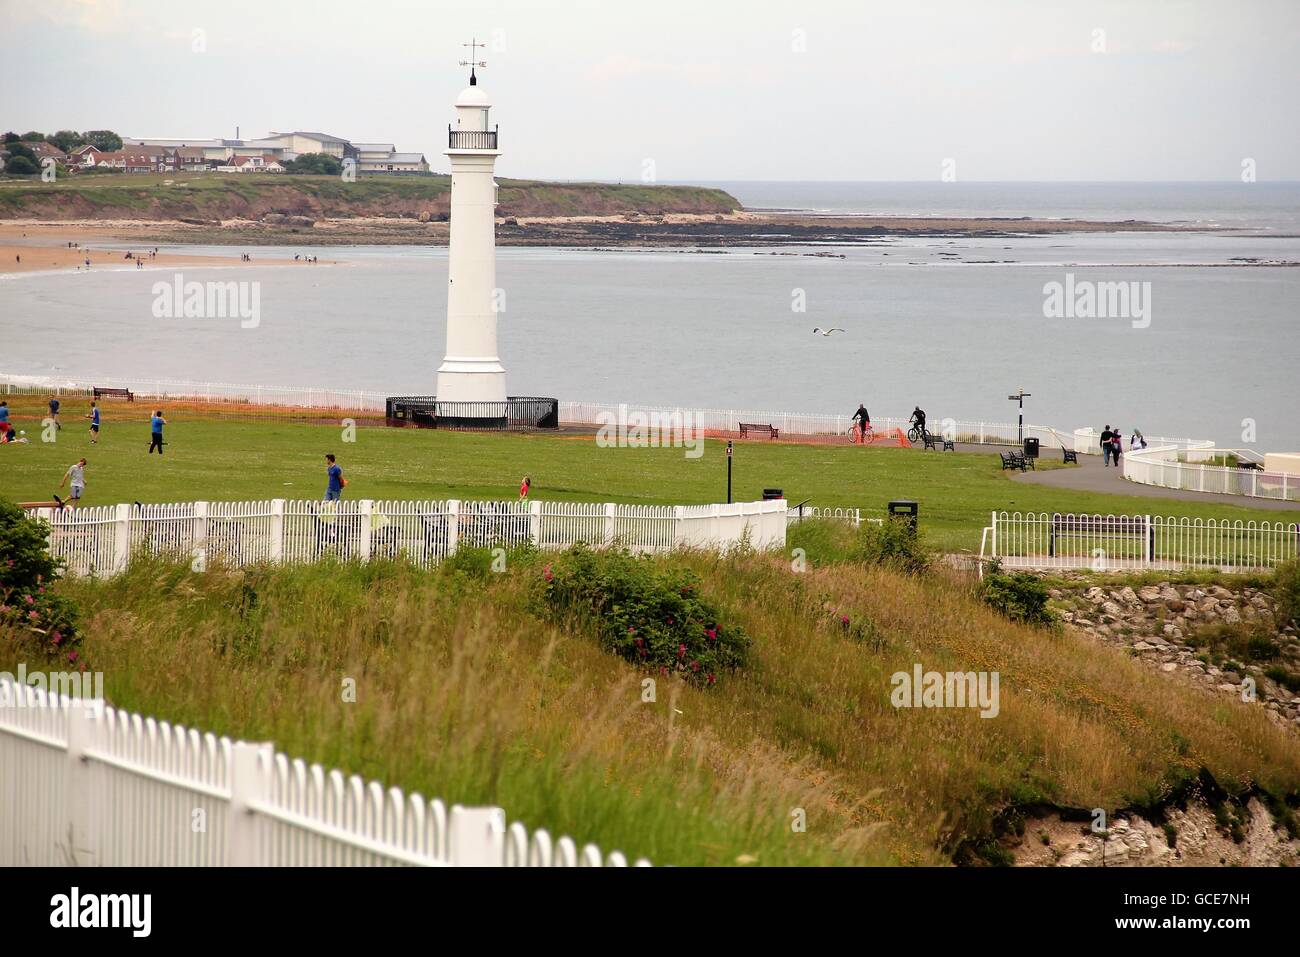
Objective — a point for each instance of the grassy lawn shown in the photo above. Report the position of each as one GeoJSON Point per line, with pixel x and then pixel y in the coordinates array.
{"type": "Point", "coordinates": [225, 460]}
{"type": "Point", "coordinates": [467, 689]}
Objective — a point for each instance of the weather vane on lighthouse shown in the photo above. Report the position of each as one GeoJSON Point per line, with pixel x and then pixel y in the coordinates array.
{"type": "Point", "coordinates": [472, 62]}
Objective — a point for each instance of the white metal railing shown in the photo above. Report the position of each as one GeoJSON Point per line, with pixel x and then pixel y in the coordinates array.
{"type": "Point", "coordinates": [970, 431]}
{"type": "Point", "coordinates": [217, 393]}
{"type": "Point", "coordinates": [100, 540]}
{"type": "Point", "coordinates": [1133, 542]}
{"type": "Point", "coordinates": [86, 784]}
{"type": "Point", "coordinates": [797, 513]}
{"type": "Point", "coordinates": [1166, 466]}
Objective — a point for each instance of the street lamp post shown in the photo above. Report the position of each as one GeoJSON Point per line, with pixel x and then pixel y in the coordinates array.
{"type": "Point", "coordinates": [1020, 397]}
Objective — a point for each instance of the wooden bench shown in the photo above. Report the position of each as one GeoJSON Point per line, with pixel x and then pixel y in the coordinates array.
{"type": "Point", "coordinates": [1096, 527]}
{"type": "Point", "coordinates": [1016, 460]}
{"type": "Point", "coordinates": [746, 427]}
{"type": "Point", "coordinates": [32, 506]}
{"type": "Point", "coordinates": [102, 392]}
{"type": "Point", "coordinates": [1071, 456]}
{"type": "Point", "coordinates": [933, 441]}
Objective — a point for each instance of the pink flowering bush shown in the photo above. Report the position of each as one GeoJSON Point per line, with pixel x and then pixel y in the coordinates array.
{"type": "Point", "coordinates": [652, 616]}
{"type": "Point", "coordinates": [29, 610]}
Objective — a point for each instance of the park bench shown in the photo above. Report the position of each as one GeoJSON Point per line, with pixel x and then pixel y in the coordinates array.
{"type": "Point", "coordinates": [1097, 527]}
{"type": "Point", "coordinates": [1016, 460]}
{"type": "Point", "coordinates": [747, 427]}
{"type": "Point", "coordinates": [32, 506]}
{"type": "Point", "coordinates": [938, 442]}
{"type": "Point", "coordinates": [1071, 456]}
{"type": "Point", "coordinates": [102, 392]}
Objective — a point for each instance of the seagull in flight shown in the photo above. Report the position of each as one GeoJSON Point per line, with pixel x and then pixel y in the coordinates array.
{"type": "Point", "coordinates": [826, 332]}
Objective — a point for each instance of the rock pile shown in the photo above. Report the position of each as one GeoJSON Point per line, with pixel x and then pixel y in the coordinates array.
{"type": "Point", "coordinates": [1157, 623]}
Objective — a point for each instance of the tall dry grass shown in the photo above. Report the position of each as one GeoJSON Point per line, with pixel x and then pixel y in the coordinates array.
{"type": "Point", "coordinates": [464, 692]}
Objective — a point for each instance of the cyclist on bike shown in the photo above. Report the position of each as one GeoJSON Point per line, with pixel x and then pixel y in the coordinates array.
{"type": "Point", "coordinates": [863, 418]}
{"type": "Point", "coordinates": [918, 417]}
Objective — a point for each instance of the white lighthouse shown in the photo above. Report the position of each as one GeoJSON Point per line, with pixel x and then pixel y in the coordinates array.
{"type": "Point", "coordinates": [471, 370]}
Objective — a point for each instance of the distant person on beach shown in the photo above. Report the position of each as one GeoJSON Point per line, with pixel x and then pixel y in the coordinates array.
{"type": "Point", "coordinates": [54, 411]}
{"type": "Point", "coordinates": [334, 490]}
{"type": "Point", "coordinates": [156, 424]}
{"type": "Point", "coordinates": [1106, 448]}
{"type": "Point", "coordinates": [94, 423]}
{"type": "Point", "coordinates": [76, 472]}
{"type": "Point", "coordinates": [524, 487]}
{"type": "Point", "coordinates": [863, 419]}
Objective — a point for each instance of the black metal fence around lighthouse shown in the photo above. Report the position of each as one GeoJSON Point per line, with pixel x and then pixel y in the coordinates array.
{"type": "Point", "coordinates": [515, 414]}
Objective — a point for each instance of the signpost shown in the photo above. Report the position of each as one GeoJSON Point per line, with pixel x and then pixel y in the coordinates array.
{"type": "Point", "coordinates": [1020, 396]}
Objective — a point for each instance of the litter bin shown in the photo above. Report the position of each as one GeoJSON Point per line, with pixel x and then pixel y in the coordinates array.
{"type": "Point", "coordinates": [770, 494]}
{"type": "Point", "coordinates": [1031, 448]}
{"type": "Point", "coordinates": [904, 509]}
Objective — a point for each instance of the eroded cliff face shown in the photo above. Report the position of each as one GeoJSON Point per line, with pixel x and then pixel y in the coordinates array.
{"type": "Point", "coordinates": [1193, 835]}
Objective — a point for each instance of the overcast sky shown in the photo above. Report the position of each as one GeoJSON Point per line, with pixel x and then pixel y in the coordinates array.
{"type": "Point", "coordinates": [706, 89]}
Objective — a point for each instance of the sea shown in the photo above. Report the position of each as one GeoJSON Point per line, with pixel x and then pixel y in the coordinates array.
{"type": "Point", "coordinates": [1208, 345]}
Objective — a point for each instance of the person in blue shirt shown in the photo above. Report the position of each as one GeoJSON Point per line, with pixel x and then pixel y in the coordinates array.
{"type": "Point", "coordinates": [334, 491]}
{"type": "Point", "coordinates": [4, 421]}
{"type": "Point", "coordinates": [156, 431]}
{"type": "Point", "coordinates": [54, 412]}
{"type": "Point", "coordinates": [94, 423]}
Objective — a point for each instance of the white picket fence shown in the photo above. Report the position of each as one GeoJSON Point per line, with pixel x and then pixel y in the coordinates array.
{"type": "Point", "coordinates": [86, 784]}
{"type": "Point", "coordinates": [1165, 465]}
{"type": "Point", "coordinates": [1043, 540]}
{"type": "Point", "coordinates": [100, 540]}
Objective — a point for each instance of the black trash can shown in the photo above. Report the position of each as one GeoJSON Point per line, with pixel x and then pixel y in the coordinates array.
{"type": "Point", "coordinates": [905, 510]}
{"type": "Point", "coordinates": [771, 494]}
{"type": "Point", "coordinates": [1031, 448]}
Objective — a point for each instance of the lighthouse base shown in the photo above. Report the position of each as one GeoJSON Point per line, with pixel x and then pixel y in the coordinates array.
{"type": "Point", "coordinates": [512, 414]}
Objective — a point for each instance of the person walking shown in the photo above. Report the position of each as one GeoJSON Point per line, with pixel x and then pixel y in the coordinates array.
{"type": "Point", "coordinates": [1106, 448]}
{"type": "Point", "coordinates": [94, 423]}
{"type": "Point", "coordinates": [1118, 443]}
{"type": "Point", "coordinates": [156, 423]}
{"type": "Point", "coordinates": [77, 473]}
{"type": "Point", "coordinates": [334, 490]}
{"type": "Point", "coordinates": [1137, 440]}
{"type": "Point", "coordinates": [54, 411]}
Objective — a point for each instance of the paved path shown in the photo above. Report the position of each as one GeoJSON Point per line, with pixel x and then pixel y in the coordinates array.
{"type": "Point", "coordinates": [1092, 476]}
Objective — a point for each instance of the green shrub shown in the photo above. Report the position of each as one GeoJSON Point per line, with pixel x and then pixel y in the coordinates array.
{"type": "Point", "coordinates": [650, 615]}
{"type": "Point", "coordinates": [894, 543]}
{"type": "Point", "coordinates": [1286, 592]}
{"type": "Point", "coordinates": [1287, 679]}
{"type": "Point", "coordinates": [1239, 642]}
{"type": "Point", "coordinates": [1020, 596]}
{"type": "Point", "coordinates": [38, 618]}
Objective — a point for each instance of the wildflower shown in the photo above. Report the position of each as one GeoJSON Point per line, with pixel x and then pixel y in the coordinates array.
{"type": "Point", "coordinates": [30, 600]}
{"type": "Point", "coordinates": [695, 665]}
{"type": "Point", "coordinates": [34, 615]}
{"type": "Point", "coordinates": [711, 678]}
{"type": "Point", "coordinates": [72, 657]}
{"type": "Point", "coordinates": [546, 573]}
{"type": "Point", "coordinates": [668, 621]}
{"type": "Point", "coordinates": [712, 633]}
{"type": "Point", "coordinates": [631, 629]}
{"type": "Point", "coordinates": [681, 651]}
{"type": "Point", "coordinates": [58, 636]}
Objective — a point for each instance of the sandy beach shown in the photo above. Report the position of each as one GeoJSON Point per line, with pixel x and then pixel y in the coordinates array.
{"type": "Point", "coordinates": [38, 248]}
